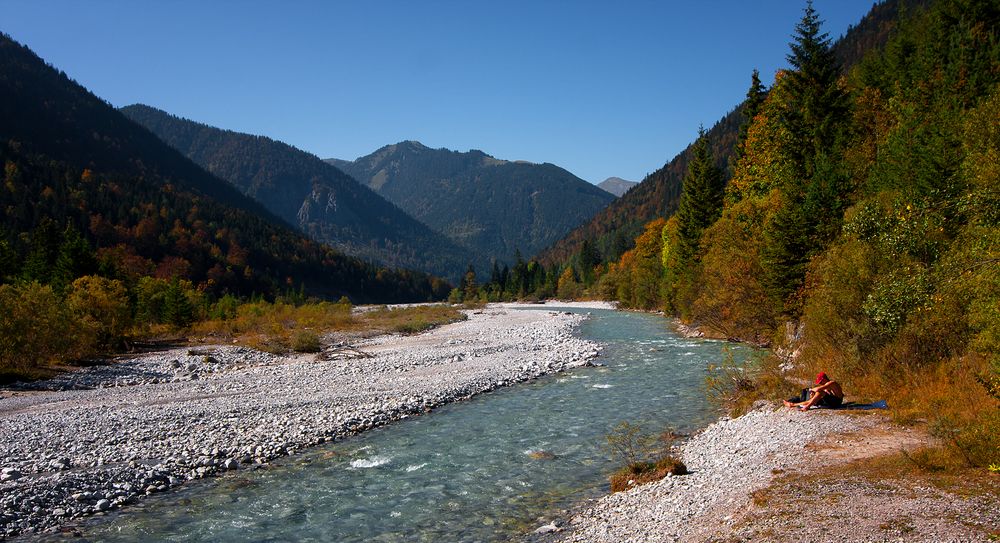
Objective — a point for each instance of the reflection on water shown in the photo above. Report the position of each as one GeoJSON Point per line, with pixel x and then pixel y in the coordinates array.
{"type": "Point", "coordinates": [481, 470]}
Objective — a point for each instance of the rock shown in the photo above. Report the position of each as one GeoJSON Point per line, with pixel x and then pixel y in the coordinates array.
{"type": "Point", "coordinates": [547, 528]}
{"type": "Point", "coordinates": [103, 505]}
{"type": "Point", "coordinates": [10, 474]}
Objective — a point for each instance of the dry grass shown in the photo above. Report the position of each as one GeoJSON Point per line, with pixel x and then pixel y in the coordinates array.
{"type": "Point", "coordinates": [280, 328]}
{"type": "Point", "coordinates": [640, 473]}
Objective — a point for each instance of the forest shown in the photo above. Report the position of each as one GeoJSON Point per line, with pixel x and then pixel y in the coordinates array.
{"type": "Point", "coordinates": [856, 226]}
{"type": "Point", "coordinates": [103, 224]}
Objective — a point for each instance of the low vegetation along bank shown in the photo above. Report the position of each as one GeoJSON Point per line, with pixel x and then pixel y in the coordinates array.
{"type": "Point", "coordinates": [44, 328]}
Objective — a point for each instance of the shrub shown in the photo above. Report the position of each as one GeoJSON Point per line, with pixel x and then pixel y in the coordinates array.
{"type": "Point", "coordinates": [645, 458]}
{"type": "Point", "coordinates": [36, 329]}
{"type": "Point", "coordinates": [306, 341]}
{"type": "Point", "coordinates": [102, 306]}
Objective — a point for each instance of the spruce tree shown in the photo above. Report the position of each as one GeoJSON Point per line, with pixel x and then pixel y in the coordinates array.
{"type": "Point", "coordinates": [177, 308]}
{"type": "Point", "coordinates": [817, 105]}
{"type": "Point", "coordinates": [75, 259]}
{"type": "Point", "coordinates": [813, 201]}
{"type": "Point", "coordinates": [751, 107]}
{"type": "Point", "coordinates": [701, 200]}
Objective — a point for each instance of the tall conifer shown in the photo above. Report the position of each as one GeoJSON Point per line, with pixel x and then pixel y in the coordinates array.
{"type": "Point", "coordinates": [701, 200]}
{"type": "Point", "coordinates": [751, 107]}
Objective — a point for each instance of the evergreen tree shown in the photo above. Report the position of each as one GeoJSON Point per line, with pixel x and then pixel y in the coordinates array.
{"type": "Point", "coordinates": [817, 105]}
{"type": "Point", "coordinates": [177, 308]}
{"type": "Point", "coordinates": [813, 200]}
{"type": "Point", "coordinates": [44, 249]}
{"type": "Point", "coordinates": [701, 200]}
{"type": "Point", "coordinates": [589, 258]}
{"type": "Point", "coordinates": [75, 259]}
{"type": "Point", "coordinates": [751, 107]}
{"type": "Point", "coordinates": [470, 288]}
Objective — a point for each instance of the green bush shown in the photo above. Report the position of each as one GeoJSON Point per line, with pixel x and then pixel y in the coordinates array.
{"type": "Point", "coordinates": [306, 341]}
{"type": "Point", "coordinates": [37, 329]}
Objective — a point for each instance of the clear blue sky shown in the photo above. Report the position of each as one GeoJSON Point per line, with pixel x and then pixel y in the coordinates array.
{"type": "Point", "coordinates": [611, 88]}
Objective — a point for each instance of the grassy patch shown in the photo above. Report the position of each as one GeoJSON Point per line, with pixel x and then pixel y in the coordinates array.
{"type": "Point", "coordinates": [280, 328]}
{"type": "Point", "coordinates": [646, 472]}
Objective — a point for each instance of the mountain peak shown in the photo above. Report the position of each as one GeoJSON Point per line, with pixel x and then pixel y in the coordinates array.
{"type": "Point", "coordinates": [616, 185]}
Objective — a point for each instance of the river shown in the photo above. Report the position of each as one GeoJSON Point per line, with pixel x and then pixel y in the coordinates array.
{"type": "Point", "coordinates": [487, 469]}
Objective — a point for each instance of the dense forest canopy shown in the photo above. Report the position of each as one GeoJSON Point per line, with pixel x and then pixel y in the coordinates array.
{"type": "Point", "coordinates": [88, 192]}
{"type": "Point", "coordinates": [860, 227]}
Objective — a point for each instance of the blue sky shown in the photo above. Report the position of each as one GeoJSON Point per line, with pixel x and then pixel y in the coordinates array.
{"type": "Point", "coordinates": [600, 88]}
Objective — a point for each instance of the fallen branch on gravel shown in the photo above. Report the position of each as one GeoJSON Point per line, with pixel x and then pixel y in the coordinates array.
{"type": "Point", "coordinates": [343, 351]}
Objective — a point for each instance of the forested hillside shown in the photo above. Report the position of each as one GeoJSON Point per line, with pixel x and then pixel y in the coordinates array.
{"type": "Point", "coordinates": [494, 207]}
{"type": "Point", "coordinates": [611, 231]}
{"type": "Point", "coordinates": [860, 228]}
{"type": "Point", "coordinates": [321, 200]}
{"type": "Point", "coordinates": [88, 191]}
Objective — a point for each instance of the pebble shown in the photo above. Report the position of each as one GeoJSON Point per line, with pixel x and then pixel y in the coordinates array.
{"type": "Point", "coordinates": [101, 437]}
{"type": "Point", "coordinates": [728, 460]}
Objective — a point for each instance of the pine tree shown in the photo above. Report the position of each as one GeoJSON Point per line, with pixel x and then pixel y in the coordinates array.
{"type": "Point", "coordinates": [817, 105]}
{"type": "Point", "coordinates": [814, 198]}
{"type": "Point", "coordinates": [751, 107]}
{"type": "Point", "coordinates": [45, 242]}
{"type": "Point", "coordinates": [701, 200]}
{"type": "Point", "coordinates": [470, 288]}
{"type": "Point", "coordinates": [75, 259]}
{"type": "Point", "coordinates": [177, 308]}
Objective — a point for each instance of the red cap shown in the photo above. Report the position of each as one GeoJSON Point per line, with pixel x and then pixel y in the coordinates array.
{"type": "Point", "coordinates": [821, 378]}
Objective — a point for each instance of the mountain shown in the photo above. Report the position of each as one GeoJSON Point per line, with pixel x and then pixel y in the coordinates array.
{"type": "Point", "coordinates": [614, 229]}
{"type": "Point", "coordinates": [77, 170]}
{"type": "Point", "coordinates": [495, 207]}
{"type": "Point", "coordinates": [616, 185]}
{"type": "Point", "coordinates": [303, 190]}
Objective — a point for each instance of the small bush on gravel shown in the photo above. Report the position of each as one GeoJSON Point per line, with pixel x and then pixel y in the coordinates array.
{"type": "Point", "coordinates": [735, 386]}
{"type": "Point", "coordinates": [646, 458]}
{"type": "Point", "coordinates": [306, 341]}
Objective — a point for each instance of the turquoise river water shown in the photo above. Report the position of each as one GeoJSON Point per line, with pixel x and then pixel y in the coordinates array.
{"type": "Point", "coordinates": [463, 472]}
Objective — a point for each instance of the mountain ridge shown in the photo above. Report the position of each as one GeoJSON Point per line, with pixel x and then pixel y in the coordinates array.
{"type": "Point", "coordinates": [316, 196]}
{"type": "Point", "coordinates": [492, 206]}
{"type": "Point", "coordinates": [77, 170]}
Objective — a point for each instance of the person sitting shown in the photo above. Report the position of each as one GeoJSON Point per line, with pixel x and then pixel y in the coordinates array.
{"type": "Point", "coordinates": [826, 393]}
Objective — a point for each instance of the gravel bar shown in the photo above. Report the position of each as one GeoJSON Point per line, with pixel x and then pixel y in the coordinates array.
{"type": "Point", "coordinates": [728, 460]}
{"type": "Point", "coordinates": [100, 438]}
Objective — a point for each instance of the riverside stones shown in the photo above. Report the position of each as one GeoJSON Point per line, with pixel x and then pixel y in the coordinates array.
{"type": "Point", "coordinates": [142, 424]}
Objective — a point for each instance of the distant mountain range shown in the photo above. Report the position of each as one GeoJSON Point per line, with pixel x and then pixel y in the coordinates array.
{"type": "Point", "coordinates": [616, 185]}
{"type": "Point", "coordinates": [489, 206]}
{"type": "Point", "coordinates": [77, 169]}
{"type": "Point", "coordinates": [320, 199]}
{"type": "Point", "coordinates": [614, 228]}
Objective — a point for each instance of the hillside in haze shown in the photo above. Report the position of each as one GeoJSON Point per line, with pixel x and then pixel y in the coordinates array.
{"type": "Point", "coordinates": [616, 185]}
{"type": "Point", "coordinates": [321, 200]}
{"type": "Point", "coordinates": [613, 229]}
{"type": "Point", "coordinates": [88, 191]}
{"type": "Point", "coordinates": [495, 207]}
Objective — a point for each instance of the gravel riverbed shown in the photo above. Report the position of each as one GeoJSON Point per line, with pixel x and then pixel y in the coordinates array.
{"type": "Point", "coordinates": [100, 438]}
{"type": "Point", "coordinates": [728, 460]}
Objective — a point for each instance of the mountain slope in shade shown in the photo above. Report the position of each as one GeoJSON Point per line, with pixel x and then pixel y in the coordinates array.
{"type": "Point", "coordinates": [495, 207]}
{"type": "Point", "coordinates": [616, 185]}
{"type": "Point", "coordinates": [303, 190]}
{"type": "Point", "coordinates": [613, 229]}
{"type": "Point", "coordinates": [71, 160]}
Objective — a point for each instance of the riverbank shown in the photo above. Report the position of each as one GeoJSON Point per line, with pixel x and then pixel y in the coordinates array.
{"type": "Point", "coordinates": [146, 424]}
{"type": "Point", "coordinates": [776, 474]}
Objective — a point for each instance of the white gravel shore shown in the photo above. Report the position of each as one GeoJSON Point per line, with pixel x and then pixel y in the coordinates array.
{"type": "Point", "coordinates": [140, 426]}
{"type": "Point", "coordinates": [728, 460]}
